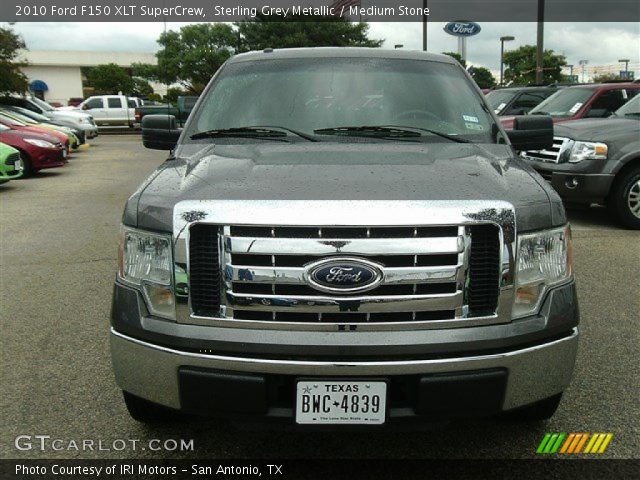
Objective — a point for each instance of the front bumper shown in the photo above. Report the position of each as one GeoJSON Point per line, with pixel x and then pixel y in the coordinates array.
{"type": "Point", "coordinates": [515, 378]}
{"type": "Point", "coordinates": [578, 187]}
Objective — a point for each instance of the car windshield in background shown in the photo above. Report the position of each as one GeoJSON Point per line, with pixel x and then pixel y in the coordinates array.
{"type": "Point", "coordinates": [565, 103]}
{"type": "Point", "coordinates": [498, 99]}
{"type": "Point", "coordinates": [337, 97]}
{"type": "Point", "coordinates": [43, 105]}
{"type": "Point", "coordinates": [630, 109]}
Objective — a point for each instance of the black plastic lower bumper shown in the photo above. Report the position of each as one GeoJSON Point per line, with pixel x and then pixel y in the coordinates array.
{"type": "Point", "coordinates": [433, 397]}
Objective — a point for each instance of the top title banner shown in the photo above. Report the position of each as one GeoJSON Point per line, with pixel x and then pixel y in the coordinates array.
{"type": "Point", "coordinates": [309, 10]}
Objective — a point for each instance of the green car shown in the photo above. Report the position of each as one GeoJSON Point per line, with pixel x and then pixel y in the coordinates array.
{"type": "Point", "coordinates": [10, 163]}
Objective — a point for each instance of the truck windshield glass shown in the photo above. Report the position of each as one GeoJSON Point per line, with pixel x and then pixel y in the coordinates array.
{"type": "Point", "coordinates": [563, 104]}
{"type": "Point", "coordinates": [630, 109]}
{"type": "Point", "coordinates": [315, 94]}
{"type": "Point", "coordinates": [498, 99]}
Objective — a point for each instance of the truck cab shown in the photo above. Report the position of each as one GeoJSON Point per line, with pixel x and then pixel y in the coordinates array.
{"type": "Point", "coordinates": [112, 110]}
{"type": "Point", "coordinates": [340, 237]}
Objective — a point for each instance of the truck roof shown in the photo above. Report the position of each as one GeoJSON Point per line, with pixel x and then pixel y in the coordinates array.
{"type": "Point", "coordinates": [340, 52]}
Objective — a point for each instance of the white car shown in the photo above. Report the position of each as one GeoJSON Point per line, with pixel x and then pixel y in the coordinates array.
{"type": "Point", "coordinates": [111, 110]}
{"type": "Point", "coordinates": [78, 119]}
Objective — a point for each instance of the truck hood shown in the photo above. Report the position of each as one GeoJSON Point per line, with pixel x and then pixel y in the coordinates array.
{"type": "Point", "coordinates": [344, 171]}
{"type": "Point", "coordinates": [600, 129]}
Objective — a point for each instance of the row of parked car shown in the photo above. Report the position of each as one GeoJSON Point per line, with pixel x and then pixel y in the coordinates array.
{"type": "Point", "coordinates": [595, 157]}
{"type": "Point", "coordinates": [35, 136]}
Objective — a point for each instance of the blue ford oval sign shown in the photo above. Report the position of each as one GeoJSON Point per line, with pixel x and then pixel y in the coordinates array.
{"type": "Point", "coordinates": [462, 29]}
{"type": "Point", "coordinates": [343, 275]}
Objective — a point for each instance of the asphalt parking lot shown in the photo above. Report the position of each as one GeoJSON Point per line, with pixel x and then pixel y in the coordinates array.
{"type": "Point", "coordinates": [58, 255]}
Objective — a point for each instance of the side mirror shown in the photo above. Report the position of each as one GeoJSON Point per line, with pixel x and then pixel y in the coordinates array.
{"type": "Point", "coordinates": [597, 113]}
{"type": "Point", "coordinates": [160, 132]}
{"type": "Point", "coordinates": [531, 132]}
{"type": "Point", "coordinates": [84, 106]}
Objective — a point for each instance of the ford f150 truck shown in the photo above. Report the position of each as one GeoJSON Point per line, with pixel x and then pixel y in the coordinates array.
{"type": "Point", "coordinates": [344, 237]}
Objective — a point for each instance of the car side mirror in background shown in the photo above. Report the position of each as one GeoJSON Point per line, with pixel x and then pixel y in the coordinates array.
{"type": "Point", "coordinates": [531, 132]}
{"type": "Point", "coordinates": [84, 107]}
{"type": "Point", "coordinates": [160, 132]}
{"type": "Point", "coordinates": [597, 113]}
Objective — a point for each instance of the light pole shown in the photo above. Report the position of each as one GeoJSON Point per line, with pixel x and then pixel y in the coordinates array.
{"type": "Point", "coordinates": [570, 67]}
{"type": "Point", "coordinates": [626, 67]}
{"type": "Point", "coordinates": [540, 44]}
{"type": "Point", "coordinates": [506, 38]}
{"type": "Point", "coordinates": [583, 64]}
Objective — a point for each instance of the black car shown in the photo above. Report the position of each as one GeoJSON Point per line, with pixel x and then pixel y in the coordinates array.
{"type": "Point", "coordinates": [597, 161]}
{"type": "Point", "coordinates": [518, 100]}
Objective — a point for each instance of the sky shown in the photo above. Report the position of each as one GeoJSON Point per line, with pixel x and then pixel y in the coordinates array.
{"type": "Point", "coordinates": [599, 43]}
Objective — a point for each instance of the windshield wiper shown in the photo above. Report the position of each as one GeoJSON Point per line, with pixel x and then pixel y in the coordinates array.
{"type": "Point", "coordinates": [539, 113]}
{"type": "Point", "coordinates": [386, 131]}
{"type": "Point", "coordinates": [257, 131]}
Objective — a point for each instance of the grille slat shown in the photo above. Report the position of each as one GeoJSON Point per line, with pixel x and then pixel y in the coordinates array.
{"type": "Point", "coordinates": [264, 269]}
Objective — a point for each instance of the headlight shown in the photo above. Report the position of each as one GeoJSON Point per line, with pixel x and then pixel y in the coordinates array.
{"type": "Point", "coordinates": [544, 259]}
{"type": "Point", "coordinates": [588, 151]}
{"type": "Point", "coordinates": [145, 261]}
{"type": "Point", "coordinates": [39, 143]}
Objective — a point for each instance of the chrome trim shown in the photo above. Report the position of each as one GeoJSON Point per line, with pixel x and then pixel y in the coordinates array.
{"type": "Point", "coordinates": [348, 213]}
{"type": "Point", "coordinates": [559, 152]}
{"type": "Point", "coordinates": [150, 371]}
{"type": "Point", "coordinates": [335, 246]}
{"type": "Point", "coordinates": [392, 275]}
{"type": "Point", "coordinates": [359, 304]}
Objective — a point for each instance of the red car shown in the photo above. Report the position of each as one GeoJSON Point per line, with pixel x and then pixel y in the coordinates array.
{"type": "Point", "coordinates": [14, 124]}
{"type": "Point", "coordinates": [37, 151]}
{"type": "Point", "coordinates": [582, 101]}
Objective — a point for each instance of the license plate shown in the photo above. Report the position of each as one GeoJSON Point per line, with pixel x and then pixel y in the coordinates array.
{"type": "Point", "coordinates": [17, 166]}
{"type": "Point", "coordinates": [64, 153]}
{"type": "Point", "coordinates": [341, 402]}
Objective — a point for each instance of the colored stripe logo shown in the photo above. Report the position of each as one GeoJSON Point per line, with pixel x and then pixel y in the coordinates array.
{"type": "Point", "coordinates": [574, 443]}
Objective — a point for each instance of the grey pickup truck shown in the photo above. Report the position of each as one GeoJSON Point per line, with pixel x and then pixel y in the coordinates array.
{"type": "Point", "coordinates": [344, 238]}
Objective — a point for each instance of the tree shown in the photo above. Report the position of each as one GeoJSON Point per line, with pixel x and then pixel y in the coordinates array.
{"type": "Point", "coordinates": [605, 77]}
{"type": "Point", "coordinates": [173, 93]}
{"type": "Point", "coordinates": [141, 88]}
{"type": "Point", "coordinates": [457, 57]}
{"type": "Point", "coordinates": [12, 80]}
{"type": "Point", "coordinates": [520, 66]}
{"type": "Point", "coordinates": [482, 76]}
{"type": "Point", "coordinates": [292, 32]}
{"type": "Point", "coordinates": [109, 79]}
{"type": "Point", "coordinates": [191, 56]}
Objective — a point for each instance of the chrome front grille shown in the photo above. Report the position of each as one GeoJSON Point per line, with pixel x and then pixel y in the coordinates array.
{"type": "Point", "coordinates": [434, 275]}
{"type": "Point", "coordinates": [425, 272]}
{"type": "Point", "coordinates": [552, 155]}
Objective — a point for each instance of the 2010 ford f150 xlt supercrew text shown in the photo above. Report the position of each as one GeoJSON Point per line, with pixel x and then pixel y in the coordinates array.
{"type": "Point", "coordinates": [341, 237]}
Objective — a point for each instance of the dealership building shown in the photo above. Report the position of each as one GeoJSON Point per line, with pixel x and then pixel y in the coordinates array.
{"type": "Point", "coordinates": [56, 75]}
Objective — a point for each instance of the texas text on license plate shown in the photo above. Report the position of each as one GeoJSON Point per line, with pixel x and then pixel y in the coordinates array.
{"type": "Point", "coordinates": [341, 402]}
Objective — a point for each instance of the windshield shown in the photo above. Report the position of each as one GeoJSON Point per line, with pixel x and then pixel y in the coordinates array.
{"type": "Point", "coordinates": [311, 94]}
{"type": "Point", "coordinates": [564, 103]}
{"type": "Point", "coordinates": [498, 99]}
{"type": "Point", "coordinates": [43, 105]}
{"type": "Point", "coordinates": [19, 118]}
{"type": "Point", "coordinates": [630, 109]}
{"type": "Point", "coordinates": [29, 114]}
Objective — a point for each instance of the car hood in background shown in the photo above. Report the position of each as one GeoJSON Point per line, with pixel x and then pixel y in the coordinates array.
{"type": "Point", "coordinates": [600, 129]}
{"type": "Point", "coordinates": [344, 171]}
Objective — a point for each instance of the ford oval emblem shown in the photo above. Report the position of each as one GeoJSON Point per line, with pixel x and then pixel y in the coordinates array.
{"type": "Point", "coordinates": [344, 275]}
{"type": "Point", "coordinates": [462, 29]}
